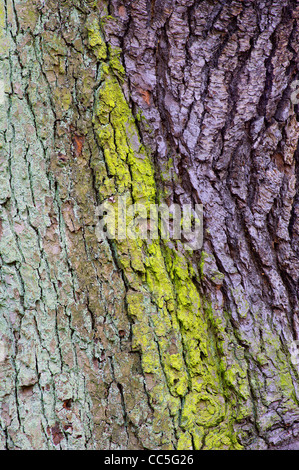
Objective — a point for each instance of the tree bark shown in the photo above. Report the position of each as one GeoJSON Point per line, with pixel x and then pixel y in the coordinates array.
{"type": "Point", "coordinates": [131, 344]}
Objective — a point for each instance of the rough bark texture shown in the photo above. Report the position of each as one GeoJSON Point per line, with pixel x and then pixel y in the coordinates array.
{"type": "Point", "coordinates": [129, 344]}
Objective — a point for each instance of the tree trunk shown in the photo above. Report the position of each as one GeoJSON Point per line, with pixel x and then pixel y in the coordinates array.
{"type": "Point", "coordinates": [145, 344]}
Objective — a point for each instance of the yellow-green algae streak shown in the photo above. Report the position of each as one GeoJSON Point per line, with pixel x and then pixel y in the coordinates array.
{"type": "Point", "coordinates": [170, 323]}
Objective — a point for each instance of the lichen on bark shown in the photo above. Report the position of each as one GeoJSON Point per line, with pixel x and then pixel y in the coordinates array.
{"type": "Point", "coordinates": [173, 340]}
{"type": "Point", "coordinates": [135, 344]}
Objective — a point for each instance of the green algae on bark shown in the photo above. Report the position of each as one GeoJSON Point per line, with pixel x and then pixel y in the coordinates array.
{"type": "Point", "coordinates": [170, 328]}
